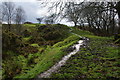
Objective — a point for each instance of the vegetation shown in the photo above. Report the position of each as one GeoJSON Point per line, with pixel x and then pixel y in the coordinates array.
{"type": "Point", "coordinates": [99, 59]}
{"type": "Point", "coordinates": [11, 14]}
{"type": "Point", "coordinates": [99, 16]}
{"type": "Point", "coordinates": [96, 60]}
{"type": "Point", "coordinates": [48, 58]}
{"type": "Point", "coordinates": [30, 49]}
{"type": "Point", "coordinates": [31, 58]}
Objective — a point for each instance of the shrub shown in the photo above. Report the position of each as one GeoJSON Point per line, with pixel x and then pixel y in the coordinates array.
{"type": "Point", "coordinates": [53, 35]}
{"type": "Point", "coordinates": [40, 28]}
{"type": "Point", "coordinates": [27, 50]}
{"type": "Point", "coordinates": [26, 33]}
{"type": "Point", "coordinates": [11, 68]}
{"type": "Point", "coordinates": [53, 32]}
{"type": "Point", "coordinates": [10, 41]}
{"type": "Point", "coordinates": [13, 42]}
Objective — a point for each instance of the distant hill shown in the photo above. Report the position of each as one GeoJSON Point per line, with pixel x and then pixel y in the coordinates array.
{"type": "Point", "coordinates": [28, 23]}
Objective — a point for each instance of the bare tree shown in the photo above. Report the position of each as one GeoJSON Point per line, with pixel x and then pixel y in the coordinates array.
{"type": "Point", "coordinates": [47, 21]}
{"type": "Point", "coordinates": [118, 8]}
{"type": "Point", "coordinates": [72, 13]}
{"type": "Point", "coordinates": [50, 19]}
{"type": "Point", "coordinates": [118, 11]}
{"type": "Point", "coordinates": [19, 18]}
{"type": "Point", "coordinates": [8, 11]}
{"type": "Point", "coordinates": [57, 7]}
{"type": "Point", "coordinates": [99, 15]}
{"type": "Point", "coordinates": [39, 20]}
{"type": "Point", "coordinates": [19, 15]}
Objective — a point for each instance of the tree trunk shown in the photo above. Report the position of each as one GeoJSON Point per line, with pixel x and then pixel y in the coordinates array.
{"type": "Point", "coordinates": [9, 27]}
{"type": "Point", "coordinates": [118, 11]}
{"type": "Point", "coordinates": [75, 24]}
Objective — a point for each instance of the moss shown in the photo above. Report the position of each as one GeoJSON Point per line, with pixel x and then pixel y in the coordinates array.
{"type": "Point", "coordinates": [97, 60]}
{"type": "Point", "coordinates": [49, 57]}
{"type": "Point", "coordinates": [35, 45]}
{"type": "Point", "coordinates": [26, 39]}
{"type": "Point", "coordinates": [33, 55]}
{"type": "Point", "coordinates": [66, 41]}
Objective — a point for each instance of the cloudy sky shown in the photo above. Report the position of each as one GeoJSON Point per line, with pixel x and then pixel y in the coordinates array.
{"type": "Point", "coordinates": [34, 10]}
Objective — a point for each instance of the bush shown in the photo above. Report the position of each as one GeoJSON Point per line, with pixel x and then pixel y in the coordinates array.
{"type": "Point", "coordinates": [50, 42]}
{"type": "Point", "coordinates": [13, 42]}
{"type": "Point", "coordinates": [53, 35]}
{"type": "Point", "coordinates": [10, 41]}
{"type": "Point", "coordinates": [11, 68]}
{"type": "Point", "coordinates": [27, 49]}
{"type": "Point", "coordinates": [53, 32]}
{"type": "Point", "coordinates": [35, 39]}
{"type": "Point", "coordinates": [26, 33]}
{"type": "Point", "coordinates": [40, 28]}
{"type": "Point", "coordinates": [49, 34]}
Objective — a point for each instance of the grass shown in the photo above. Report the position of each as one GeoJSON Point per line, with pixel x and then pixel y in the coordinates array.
{"type": "Point", "coordinates": [49, 57]}
{"type": "Point", "coordinates": [30, 27]}
{"type": "Point", "coordinates": [35, 45]}
{"type": "Point", "coordinates": [25, 65]}
{"type": "Point", "coordinates": [66, 41]}
{"type": "Point", "coordinates": [100, 59]}
{"type": "Point", "coordinates": [25, 39]}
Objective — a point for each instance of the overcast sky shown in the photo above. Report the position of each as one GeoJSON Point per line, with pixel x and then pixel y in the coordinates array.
{"type": "Point", "coordinates": [33, 11]}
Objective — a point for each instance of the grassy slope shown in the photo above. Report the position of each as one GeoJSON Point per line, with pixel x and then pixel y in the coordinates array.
{"type": "Point", "coordinates": [35, 63]}
{"type": "Point", "coordinates": [100, 59]}
{"type": "Point", "coordinates": [46, 57]}
{"type": "Point", "coordinates": [49, 57]}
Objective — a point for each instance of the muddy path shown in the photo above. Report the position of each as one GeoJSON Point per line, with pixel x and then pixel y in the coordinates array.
{"type": "Point", "coordinates": [62, 62]}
